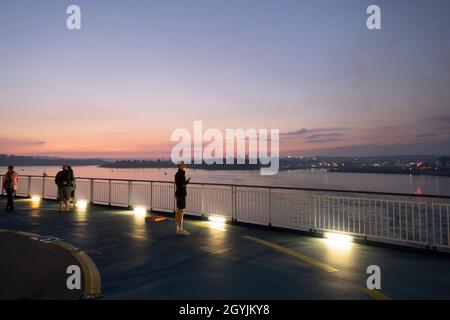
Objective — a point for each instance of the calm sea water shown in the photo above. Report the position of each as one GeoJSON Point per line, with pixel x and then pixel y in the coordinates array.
{"type": "Point", "coordinates": [296, 178]}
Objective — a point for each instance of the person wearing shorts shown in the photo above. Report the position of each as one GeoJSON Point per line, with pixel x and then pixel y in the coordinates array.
{"type": "Point", "coordinates": [180, 195]}
{"type": "Point", "coordinates": [64, 182]}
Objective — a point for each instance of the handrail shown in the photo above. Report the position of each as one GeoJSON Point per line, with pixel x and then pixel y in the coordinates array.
{"type": "Point", "coordinates": [413, 219]}
{"type": "Point", "coordinates": [399, 194]}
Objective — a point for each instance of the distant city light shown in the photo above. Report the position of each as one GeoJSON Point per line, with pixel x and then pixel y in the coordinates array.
{"type": "Point", "coordinates": [82, 204]}
{"type": "Point", "coordinates": [338, 237]}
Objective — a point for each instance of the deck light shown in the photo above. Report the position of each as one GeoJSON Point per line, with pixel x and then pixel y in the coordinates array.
{"type": "Point", "coordinates": [217, 223]}
{"type": "Point", "coordinates": [140, 211]}
{"type": "Point", "coordinates": [338, 237]}
{"type": "Point", "coordinates": [217, 219]}
{"type": "Point", "coordinates": [35, 199]}
{"type": "Point", "coordinates": [82, 204]}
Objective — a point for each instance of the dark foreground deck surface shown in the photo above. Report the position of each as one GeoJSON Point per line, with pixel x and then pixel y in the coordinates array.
{"type": "Point", "coordinates": [31, 269]}
{"type": "Point", "coordinates": [147, 261]}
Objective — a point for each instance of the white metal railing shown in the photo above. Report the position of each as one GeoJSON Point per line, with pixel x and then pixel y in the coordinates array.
{"type": "Point", "coordinates": [387, 217]}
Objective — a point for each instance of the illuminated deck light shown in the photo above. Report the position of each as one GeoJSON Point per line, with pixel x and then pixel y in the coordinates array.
{"type": "Point", "coordinates": [217, 219]}
{"type": "Point", "coordinates": [82, 204]}
{"type": "Point", "coordinates": [338, 237]}
{"type": "Point", "coordinates": [140, 211]}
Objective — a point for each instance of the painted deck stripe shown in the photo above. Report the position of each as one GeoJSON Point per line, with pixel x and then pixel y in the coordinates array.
{"type": "Point", "coordinates": [294, 254]}
{"type": "Point", "coordinates": [92, 278]}
{"type": "Point", "coordinates": [93, 286]}
{"type": "Point", "coordinates": [377, 295]}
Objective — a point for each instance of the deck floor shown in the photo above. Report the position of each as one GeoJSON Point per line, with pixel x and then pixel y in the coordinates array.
{"type": "Point", "coordinates": [148, 261]}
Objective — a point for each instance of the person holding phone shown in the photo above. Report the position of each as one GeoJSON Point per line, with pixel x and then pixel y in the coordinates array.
{"type": "Point", "coordinates": [180, 194]}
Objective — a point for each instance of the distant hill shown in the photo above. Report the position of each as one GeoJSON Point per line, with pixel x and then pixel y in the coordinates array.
{"type": "Point", "coordinates": [6, 160]}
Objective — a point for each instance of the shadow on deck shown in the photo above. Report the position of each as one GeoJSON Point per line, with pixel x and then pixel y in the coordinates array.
{"type": "Point", "coordinates": [139, 260]}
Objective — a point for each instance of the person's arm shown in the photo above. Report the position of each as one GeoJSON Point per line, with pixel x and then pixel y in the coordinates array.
{"type": "Point", "coordinates": [15, 181]}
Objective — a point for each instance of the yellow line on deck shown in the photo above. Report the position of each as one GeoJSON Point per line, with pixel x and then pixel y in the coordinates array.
{"type": "Point", "coordinates": [294, 254]}
{"type": "Point", "coordinates": [92, 278]}
{"type": "Point", "coordinates": [377, 295]}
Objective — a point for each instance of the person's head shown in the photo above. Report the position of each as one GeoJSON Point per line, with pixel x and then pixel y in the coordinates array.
{"type": "Point", "coordinates": [10, 168]}
{"type": "Point", "coordinates": [182, 165]}
{"type": "Point", "coordinates": [69, 168]}
{"type": "Point", "coordinates": [65, 168]}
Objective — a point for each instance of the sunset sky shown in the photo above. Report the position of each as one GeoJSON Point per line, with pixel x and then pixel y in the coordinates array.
{"type": "Point", "coordinates": [137, 70]}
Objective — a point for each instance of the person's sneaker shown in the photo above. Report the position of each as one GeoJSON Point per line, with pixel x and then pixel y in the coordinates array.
{"type": "Point", "coordinates": [182, 232]}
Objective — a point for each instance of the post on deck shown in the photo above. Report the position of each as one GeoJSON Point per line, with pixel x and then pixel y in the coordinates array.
{"type": "Point", "coordinates": [91, 191]}
{"type": "Point", "coordinates": [109, 192]}
{"type": "Point", "coordinates": [43, 187]}
{"type": "Point", "coordinates": [130, 194]}
{"type": "Point", "coordinates": [29, 187]}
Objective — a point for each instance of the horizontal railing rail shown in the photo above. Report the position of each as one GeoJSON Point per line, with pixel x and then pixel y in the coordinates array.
{"type": "Point", "coordinates": [424, 195]}
{"type": "Point", "coordinates": [405, 219]}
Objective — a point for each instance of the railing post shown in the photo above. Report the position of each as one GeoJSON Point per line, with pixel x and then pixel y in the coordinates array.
{"type": "Point", "coordinates": [29, 187]}
{"type": "Point", "coordinates": [130, 193]}
{"type": "Point", "coordinates": [151, 195]}
{"type": "Point", "coordinates": [91, 191]}
{"type": "Point", "coordinates": [270, 207]}
{"type": "Point", "coordinates": [430, 203]}
{"type": "Point", "coordinates": [233, 203]}
{"type": "Point", "coordinates": [313, 207]}
{"type": "Point", "coordinates": [174, 198]}
{"type": "Point", "coordinates": [365, 216]}
{"type": "Point", "coordinates": [202, 201]}
{"type": "Point", "coordinates": [43, 187]}
{"type": "Point", "coordinates": [109, 191]}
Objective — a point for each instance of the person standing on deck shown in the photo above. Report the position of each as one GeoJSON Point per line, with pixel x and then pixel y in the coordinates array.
{"type": "Point", "coordinates": [73, 189]}
{"type": "Point", "coordinates": [10, 183]}
{"type": "Point", "coordinates": [64, 182]}
{"type": "Point", "coordinates": [180, 195]}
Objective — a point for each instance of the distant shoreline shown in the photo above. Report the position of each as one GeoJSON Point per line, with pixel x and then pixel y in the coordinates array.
{"type": "Point", "coordinates": [238, 168]}
{"type": "Point", "coordinates": [410, 165]}
{"type": "Point", "coordinates": [392, 171]}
